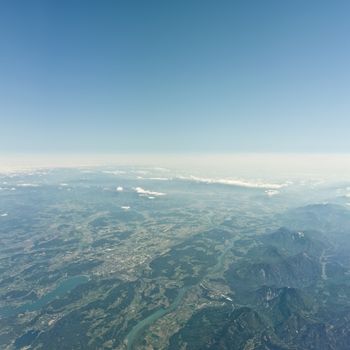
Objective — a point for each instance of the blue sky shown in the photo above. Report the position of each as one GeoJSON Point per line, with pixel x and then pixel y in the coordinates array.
{"type": "Point", "coordinates": [174, 76]}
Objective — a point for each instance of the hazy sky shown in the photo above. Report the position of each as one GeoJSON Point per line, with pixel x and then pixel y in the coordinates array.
{"type": "Point", "coordinates": [174, 76]}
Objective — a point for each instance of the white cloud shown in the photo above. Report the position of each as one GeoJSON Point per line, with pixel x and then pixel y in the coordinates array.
{"type": "Point", "coordinates": [114, 172]}
{"type": "Point", "coordinates": [120, 189]}
{"type": "Point", "coordinates": [161, 169]}
{"type": "Point", "coordinates": [143, 192]}
{"type": "Point", "coordinates": [140, 172]}
{"type": "Point", "coordinates": [27, 185]}
{"type": "Point", "coordinates": [4, 214]}
{"type": "Point", "coordinates": [234, 182]}
{"type": "Point", "coordinates": [154, 178]}
{"type": "Point", "coordinates": [125, 207]}
{"type": "Point", "coordinates": [271, 193]}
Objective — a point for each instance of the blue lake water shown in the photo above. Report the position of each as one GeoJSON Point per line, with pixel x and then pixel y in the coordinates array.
{"type": "Point", "coordinates": [63, 288]}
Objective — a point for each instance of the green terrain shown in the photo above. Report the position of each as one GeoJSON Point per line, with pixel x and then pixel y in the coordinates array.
{"type": "Point", "coordinates": [133, 258]}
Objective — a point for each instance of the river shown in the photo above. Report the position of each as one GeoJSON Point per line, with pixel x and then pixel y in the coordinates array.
{"type": "Point", "coordinates": [141, 326]}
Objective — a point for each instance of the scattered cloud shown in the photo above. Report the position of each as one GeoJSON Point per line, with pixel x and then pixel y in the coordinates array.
{"type": "Point", "coordinates": [125, 207]}
{"type": "Point", "coordinates": [4, 214]}
{"type": "Point", "coordinates": [161, 169]}
{"type": "Point", "coordinates": [235, 182]}
{"type": "Point", "coordinates": [154, 178]}
{"type": "Point", "coordinates": [143, 192]}
{"type": "Point", "coordinates": [120, 189]}
{"type": "Point", "coordinates": [27, 185]}
{"type": "Point", "coordinates": [114, 172]}
{"type": "Point", "coordinates": [140, 172]}
{"type": "Point", "coordinates": [271, 193]}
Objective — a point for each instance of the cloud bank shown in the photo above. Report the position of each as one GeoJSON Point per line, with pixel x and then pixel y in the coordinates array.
{"type": "Point", "coordinates": [235, 182]}
{"type": "Point", "coordinates": [143, 192]}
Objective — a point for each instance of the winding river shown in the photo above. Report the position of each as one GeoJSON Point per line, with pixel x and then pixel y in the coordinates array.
{"type": "Point", "coordinates": [148, 321]}
{"type": "Point", "coordinates": [141, 326]}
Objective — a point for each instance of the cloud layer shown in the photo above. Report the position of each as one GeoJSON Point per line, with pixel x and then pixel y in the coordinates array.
{"type": "Point", "coordinates": [235, 182]}
{"type": "Point", "coordinates": [143, 192]}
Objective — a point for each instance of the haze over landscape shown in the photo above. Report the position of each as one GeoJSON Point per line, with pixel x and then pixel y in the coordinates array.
{"type": "Point", "coordinates": [174, 175]}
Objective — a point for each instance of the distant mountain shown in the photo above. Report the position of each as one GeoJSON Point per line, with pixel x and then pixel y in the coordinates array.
{"type": "Point", "coordinates": [292, 271]}
{"type": "Point", "coordinates": [330, 220]}
{"type": "Point", "coordinates": [222, 328]}
{"type": "Point", "coordinates": [294, 242]}
{"type": "Point", "coordinates": [286, 295]}
{"type": "Point", "coordinates": [284, 322]}
{"type": "Point", "coordinates": [321, 217]}
{"type": "Point", "coordinates": [281, 258]}
{"type": "Point", "coordinates": [270, 297]}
